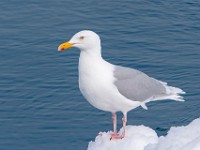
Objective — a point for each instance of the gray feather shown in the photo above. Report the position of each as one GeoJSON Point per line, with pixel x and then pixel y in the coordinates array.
{"type": "Point", "coordinates": [136, 85]}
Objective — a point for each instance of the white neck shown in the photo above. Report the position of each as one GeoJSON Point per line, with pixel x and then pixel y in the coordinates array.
{"type": "Point", "coordinates": [93, 52]}
{"type": "Point", "coordinates": [90, 59]}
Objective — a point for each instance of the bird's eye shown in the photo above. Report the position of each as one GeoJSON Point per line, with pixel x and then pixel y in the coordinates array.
{"type": "Point", "coordinates": [81, 37]}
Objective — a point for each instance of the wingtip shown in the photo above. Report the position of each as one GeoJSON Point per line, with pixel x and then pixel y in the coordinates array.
{"type": "Point", "coordinates": [143, 105]}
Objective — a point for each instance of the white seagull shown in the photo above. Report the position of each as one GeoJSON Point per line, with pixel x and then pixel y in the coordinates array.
{"type": "Point", "coordinates": [114, 88]}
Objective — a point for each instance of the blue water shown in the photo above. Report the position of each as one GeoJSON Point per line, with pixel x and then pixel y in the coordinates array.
{"type": "Point", "coordinates": [41, 107]}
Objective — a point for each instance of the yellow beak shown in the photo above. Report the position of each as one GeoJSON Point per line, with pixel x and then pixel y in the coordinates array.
{"type": "Point", "coordinates": [65, 45]}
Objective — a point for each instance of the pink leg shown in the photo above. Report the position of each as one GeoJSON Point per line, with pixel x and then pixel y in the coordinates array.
{"type": "Point", "coordinates": [116, 136]}
{"type": "Point", "coordinates": [124, 120]}
{"type": "Point", "coordinates": [114, 118]}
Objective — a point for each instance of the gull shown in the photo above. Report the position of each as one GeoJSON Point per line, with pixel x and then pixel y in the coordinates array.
{"type": "Point", "coordinates": [114, 88]}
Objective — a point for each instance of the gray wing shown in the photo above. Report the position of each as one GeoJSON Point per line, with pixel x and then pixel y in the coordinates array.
{"type": "Point", "coordinates": [136, 85]}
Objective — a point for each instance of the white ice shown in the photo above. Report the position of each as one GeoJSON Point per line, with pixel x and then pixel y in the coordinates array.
{"type": "Point", "coordinates": [145, 138]}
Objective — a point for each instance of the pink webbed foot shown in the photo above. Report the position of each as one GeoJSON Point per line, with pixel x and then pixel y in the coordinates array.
{"type": "Point", "coordinates": [116, 136]}
{"type": "Point", "coordinates": [113, 134]}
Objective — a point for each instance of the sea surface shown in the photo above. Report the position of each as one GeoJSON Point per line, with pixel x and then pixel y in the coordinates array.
{"type": "Point", "coordinates": [41, 107]}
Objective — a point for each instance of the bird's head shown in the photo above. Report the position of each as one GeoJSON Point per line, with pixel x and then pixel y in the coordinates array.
{"type": "Point", "coordinates": [84, 40]}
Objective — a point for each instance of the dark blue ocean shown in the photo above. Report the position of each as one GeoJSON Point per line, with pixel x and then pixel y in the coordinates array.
{"type": "Point", "coordinates": [41, 107]}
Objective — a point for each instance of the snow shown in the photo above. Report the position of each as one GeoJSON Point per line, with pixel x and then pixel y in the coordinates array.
{"type": "Point", "coordinates": [145, 138]}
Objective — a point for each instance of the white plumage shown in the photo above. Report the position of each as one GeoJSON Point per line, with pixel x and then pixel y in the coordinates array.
{"type": "Point", "coordinates": [114, 88]}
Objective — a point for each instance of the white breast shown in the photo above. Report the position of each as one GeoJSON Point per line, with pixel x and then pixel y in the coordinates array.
{"type": "Point", "coordinates": [96, 83]}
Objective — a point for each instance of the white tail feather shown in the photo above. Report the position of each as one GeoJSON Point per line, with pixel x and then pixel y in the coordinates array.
{"type": "Point", "coordinates": [171, 93]}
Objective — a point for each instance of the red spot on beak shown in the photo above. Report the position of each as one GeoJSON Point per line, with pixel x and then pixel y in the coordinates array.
{"type": "Point", "coordinates": [62, 48]}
